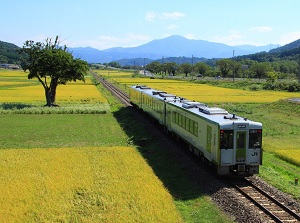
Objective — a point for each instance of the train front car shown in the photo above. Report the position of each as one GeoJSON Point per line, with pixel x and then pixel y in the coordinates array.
{"type": "Point", "coordinates": [230, 142]}
{"type": "Point", "coordinates": [240, 146]}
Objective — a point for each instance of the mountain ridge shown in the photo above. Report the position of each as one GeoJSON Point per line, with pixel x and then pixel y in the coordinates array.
{"type": "Point", "coordinates": [172, 46]}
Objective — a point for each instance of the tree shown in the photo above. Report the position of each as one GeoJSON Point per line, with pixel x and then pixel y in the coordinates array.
{"type": "Point", "coordinates": [186, 68]}
{"type": "Point", "coordinates": [154, 67]}
{"type": "Point", "coordinates": [260, 69]}
{"type": "Point", "coordinates": [52, 65]}
{"type": "Point", "coordinates": [201, 68]}
{"type": "Point", "coordinates": [171, 68]}
{"type": "Point", "coordinates": [225, 65]}
{"type": "Point", "coordinates": [114, 64]}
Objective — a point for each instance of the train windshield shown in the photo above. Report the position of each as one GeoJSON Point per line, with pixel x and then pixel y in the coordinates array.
{"type": "Point", "coordinates": [226, 139]}
{"type": "Point", "coordinates": [255, 138]}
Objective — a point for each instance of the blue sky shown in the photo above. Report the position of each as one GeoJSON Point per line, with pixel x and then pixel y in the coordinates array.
{"type": "Point", "coordinates": [103, 24]}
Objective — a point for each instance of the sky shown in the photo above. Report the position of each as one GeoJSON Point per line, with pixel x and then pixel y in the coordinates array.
{"type": "Point", "coordinates": [104, 24]}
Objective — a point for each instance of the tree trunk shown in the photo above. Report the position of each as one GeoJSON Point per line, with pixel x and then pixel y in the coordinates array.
{"type": "Point", "coordinates": [48, 98]}
{"type": "Point", "coordinates": [53, 86]}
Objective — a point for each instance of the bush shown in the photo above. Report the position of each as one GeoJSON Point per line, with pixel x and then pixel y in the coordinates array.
{"type": "Point", "coordinates": [282, 86]}
{"type": "Point", "coordinates": [18, 108]}
{"type": "Point", "coordinates": [255, 87]}
{"type": "Point", "coordinates": [293, 87]}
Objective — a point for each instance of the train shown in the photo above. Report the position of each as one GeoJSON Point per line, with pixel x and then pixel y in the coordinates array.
{"type": "Point", "coordinates": [230, 142]}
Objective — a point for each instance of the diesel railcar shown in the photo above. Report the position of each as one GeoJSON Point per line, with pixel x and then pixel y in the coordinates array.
{"type": "Point", "coordinates": [232, 143]}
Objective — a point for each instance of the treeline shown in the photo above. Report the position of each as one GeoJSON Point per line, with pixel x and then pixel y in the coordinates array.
{"type": "Point", "coordinates": [230, 68]}
{"type": "Point", "coordinates": [280, 64]}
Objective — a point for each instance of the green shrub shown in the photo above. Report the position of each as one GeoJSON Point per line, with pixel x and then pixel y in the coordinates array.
{"type": "Point", "coordinates": [255, 87]}
{"type": "Point", "coordinates": [18, 108]}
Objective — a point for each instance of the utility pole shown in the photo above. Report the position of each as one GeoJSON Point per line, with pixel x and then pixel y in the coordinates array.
{"type": "Point", "coordinates": [144, 67]}
{"type": "Point", "coordinates": [162, 66]}
{"type": "Point", "coordinates": [299, 70]}
{"type": "Point", "coordinates": [233, 66]}
{"type": "Point", "coordinates": [192, 66]}
{"type": "Point", "coordinates": [192, 60]}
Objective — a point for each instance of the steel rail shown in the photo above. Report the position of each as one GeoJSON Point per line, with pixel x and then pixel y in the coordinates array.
{"type": "Point", "coordinates": [257, 190]}
{"type": "Point", "coordinates": [123, 97]}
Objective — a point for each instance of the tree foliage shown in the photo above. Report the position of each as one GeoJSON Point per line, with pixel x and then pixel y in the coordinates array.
{"type": "Point", "coordinates": [225, 65]}
{"type": "Point", "coordinates": [52, 65]}
{"type": "Point", "coordinates": [260, 70]}
{"type": "Point", "coordinates": [186, 68]}
{"type": "Point", "coordinates": [201, 68]}
{"type": "Point", "coordinates": [154, 67]}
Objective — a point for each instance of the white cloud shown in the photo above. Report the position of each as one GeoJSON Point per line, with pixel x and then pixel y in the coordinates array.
{"type": "Point", "coordinates": [235, 38]}
{"type": "Point", "coordinates": [172, 27]}
{"type": "Point", "coordinates": [261, 29]}
{"type": "Point", "coordinates": [288, 38]}
{"type": "Point", "coordinates": [105, 42]}
{"type": "Point", "coordinates": [189, 36]}
{"type": "Point", "coordinates": [172, 15]}
{"type": "Point", "coordinates": [151, 16]}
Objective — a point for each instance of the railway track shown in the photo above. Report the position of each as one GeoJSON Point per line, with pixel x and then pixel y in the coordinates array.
{"type": "Point", "coordinates": [122, 96]}
{"type": "Point", "coordinates": [276, 210]}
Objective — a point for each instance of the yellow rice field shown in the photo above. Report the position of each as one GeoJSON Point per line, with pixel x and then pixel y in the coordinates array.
{"type": "Point", "coordinates": [15, 87]}
{"type": "Point", "coordinates": [81, 185]}
{"type": "Point", "coordinates": [113, 73]}
{"type": "Point", "coordinates": [207, 93]}
{"type": "Point", "coordinates": [290, 155]}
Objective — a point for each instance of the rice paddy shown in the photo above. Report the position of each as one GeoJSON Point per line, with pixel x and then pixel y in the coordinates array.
{"type": "Point", "coordinates": [206, 93]}
{"type": "Point", "coordinates": [94, 184]}
{"type": "Point", "coordinates": [290, 155]}
{"type": "Point", "coordinates": [15, 87]}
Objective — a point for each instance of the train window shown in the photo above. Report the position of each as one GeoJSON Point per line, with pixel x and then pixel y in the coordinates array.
{"type": "Point", "coordinates": [187, 124]}
{"type": "Point", "coordinates": [196, 129]}
{"type": "Point", "coordinates": [214, 139]}
{"type": "Point", "coordinates": [184, 119]}
{"type": "Point", "coordinates": [179, 120]}
{"type": "Point", "coordinates": [191, 126]}
{"type": "Point", "coordinates": [255, 138]}
{"type": "Point", "coordinates": [226, 139]}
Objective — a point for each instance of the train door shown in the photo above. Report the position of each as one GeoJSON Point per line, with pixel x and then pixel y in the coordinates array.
{"type": "Point", "coordinates": [226, 146]}
{"type": "Point", "coordinates": [209, 140]}
{"type": "Point", "coordinates": [214, 147]}
{"type": "Point", "coordinates": [241, 145]}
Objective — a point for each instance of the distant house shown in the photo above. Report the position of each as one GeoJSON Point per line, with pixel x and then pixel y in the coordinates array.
{"type": "Point", "coordinates": [13, 66]}
{"type": "Point", "coordinates": [4, 65]}
{"type": "Point", "coordinates": [10, 66]}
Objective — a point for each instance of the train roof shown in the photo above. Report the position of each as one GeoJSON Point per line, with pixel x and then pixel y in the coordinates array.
{"type": "Point", "coordinates": [158, 94]}
{"type": "Point", "coordinates": [213, 114]}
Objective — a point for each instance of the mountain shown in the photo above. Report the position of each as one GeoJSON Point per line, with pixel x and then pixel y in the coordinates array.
{"type": "Point", "coordinates": [9, 53]}
{"type": "Point", "coordinates": [256, 49]}
{"type": "Point", "coordinates": [291, 46]}
{"type": "Point", "coordinates": [172, 46]}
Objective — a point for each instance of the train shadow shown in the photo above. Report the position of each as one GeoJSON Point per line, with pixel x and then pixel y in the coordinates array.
{"type": "Point", "coordinates": [182, 174]}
